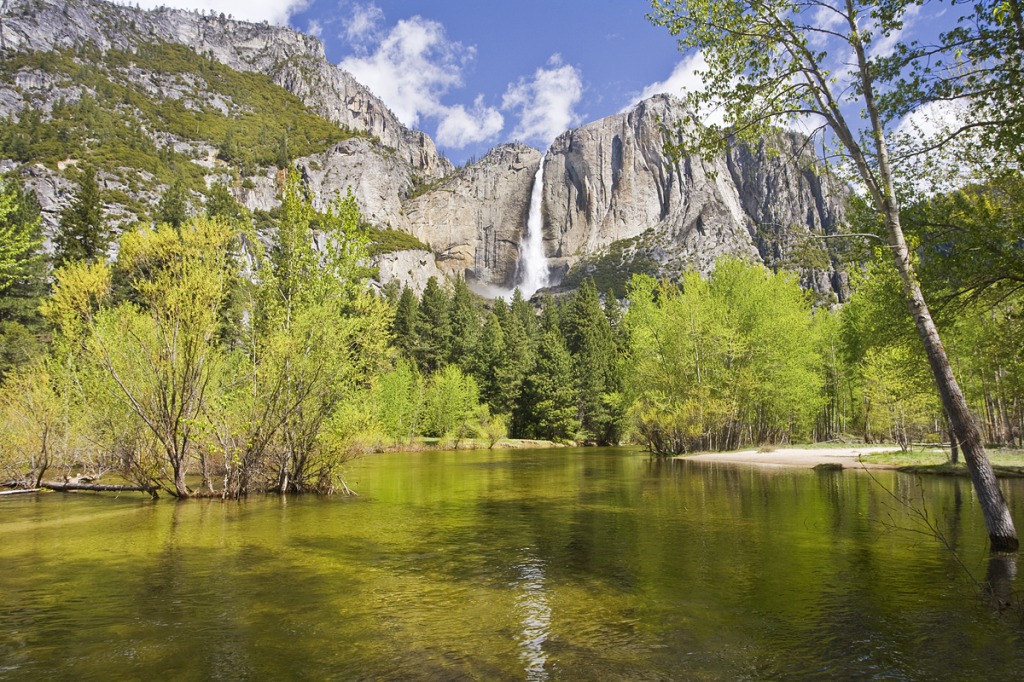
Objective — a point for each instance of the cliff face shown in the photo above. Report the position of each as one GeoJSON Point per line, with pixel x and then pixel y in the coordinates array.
{"type": "Point", "coordinates": [786, 199]}
{"type": "Point", "coordinates": [610, 182]}
{"type": "Point", "coordinates": [474, 219]}
{"type": "Point", "coordinates": [611, 197]}
{"type": "Point", "coordinates": [294, 61]}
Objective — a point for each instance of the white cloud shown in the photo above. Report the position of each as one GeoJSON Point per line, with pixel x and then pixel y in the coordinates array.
{"type": "Point", "coordinates": [884, 45]}
{"type": "Point", "coordinates": [685, 77]}
{"type": "Point", "coordinates": [364, 23]}
{"type": "Point", "coordinates": [274, 11]}
{"type": "Point", "coordinates": [547, 103]}
{"type": "Point", "coordinates": [460, 127]}
{"type": "Point", "coordinates": [315, 28]}
{"type": "Point", "coordinates": [412, 68]}
{"type": "Point", "coordinates": [952, 164]}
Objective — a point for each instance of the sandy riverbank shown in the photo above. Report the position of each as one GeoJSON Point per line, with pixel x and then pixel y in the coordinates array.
{"type": "Point", "coordinates": [798, 457]}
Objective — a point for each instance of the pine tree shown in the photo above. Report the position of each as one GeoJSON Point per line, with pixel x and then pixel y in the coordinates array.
{"type": "Point", "coordinates": [515, 365]}
{"type": "Point", "coordinates": [433, 328]}
{"type": "Point", "coordinates": [487, 359]}
{"type": "Point", "coordinates": [465, 325]}
{"type": "Point", "coordinates": [549, 395]}
{"type": "Point", "coordinates": [527, 315]}
{"type": "Point", "coordinates": [173, 207]}
{"type": "Point", "coordinates": [404, 329]}
{"type": "Point", "coordinates": [83, 235]}
{"type": "Point", "coordinates": [23, 275]}
{"type": "Point", "coordinates": [589, 338]}
{"type": "Point", "coordinates": [221, 203]}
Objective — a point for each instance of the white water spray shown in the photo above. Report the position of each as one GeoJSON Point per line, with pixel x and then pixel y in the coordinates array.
{"type": "Point", "coordinates": [533, 263]}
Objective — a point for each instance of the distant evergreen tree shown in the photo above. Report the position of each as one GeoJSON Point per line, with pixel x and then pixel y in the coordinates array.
{"type": "Point", "coordinates": [527, 315]}
{"type": "Point", "coordinates": [283, 158]}
{"type": "Point", "coordinates": [549, 394]}
{"type": "Point", "coordinates": [488, 357]}
{"type": "Point", "coordinates": [221, 203]}
{"type": "Point", "coordinates": [405, 327]}
{"type": "Point", "coordinates": [613, 311]}
{"type": "Point", "coordinates": [550, 315]}
{"type": "Point", "coordinates": [83, 234]}
{"type": "Point", "coordinates": [589, 339]}
{"type": "Point", "coordinates": [515, 365]}
{"type": "Point", "coordinates": [173, 208]}
{"type": "Point", "coordinates": [465, 325]}
{"type": "Point", "coordinates": [391, 291]}
{"type": "Point", "coordinates": [433, 328]}
{"type": "Point", "coordinates": [23, 275]}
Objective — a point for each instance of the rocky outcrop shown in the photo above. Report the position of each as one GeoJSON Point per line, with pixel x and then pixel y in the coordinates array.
{"type": "Point", "coordinates": [787, 198]}
{"type": "Point", "coordinates": [610, 181]}
{"type": "Point", "coordinates": [474, 219]}
{"type": "Point", "coordinates": [410, 268]}
{"type": "Point", "coordinates": [294, 61]}
{"type": "Point", "coordinates": [377, 178]}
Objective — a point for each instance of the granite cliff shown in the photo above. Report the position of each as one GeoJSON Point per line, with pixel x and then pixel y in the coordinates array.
{"type": "Point", "coordinates": [612, 200]}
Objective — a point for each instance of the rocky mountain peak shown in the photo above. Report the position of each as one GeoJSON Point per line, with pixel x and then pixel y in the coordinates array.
{"type": "Point", "coordinates": [293, 60]}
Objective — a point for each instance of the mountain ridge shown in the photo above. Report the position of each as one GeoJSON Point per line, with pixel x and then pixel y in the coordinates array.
{"type": "Point", "coordinates": [610, 190]}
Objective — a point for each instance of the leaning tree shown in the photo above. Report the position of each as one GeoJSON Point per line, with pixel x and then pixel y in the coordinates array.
{"type": "Point", "coordinates": [767, 63]}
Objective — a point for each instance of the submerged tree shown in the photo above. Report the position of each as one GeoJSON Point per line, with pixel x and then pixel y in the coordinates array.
{"type": "Point", "coordinates": [766, 64]}
{"type": "Point", "coordinates": [159, 354]}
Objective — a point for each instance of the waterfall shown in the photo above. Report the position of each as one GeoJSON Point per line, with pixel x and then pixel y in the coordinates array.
{"type": "Point", "coordinates": [533, 264]}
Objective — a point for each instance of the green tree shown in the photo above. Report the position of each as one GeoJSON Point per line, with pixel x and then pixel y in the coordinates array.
{"type": "Point", "coordinates": [490, 352]}
{"type": "Point", "coordinates": [38, 427]}
{"type": "Point", "coordinates": [971, 241]}
{"type": "Point", "coordinates": [464, 319]}
{"type": "Point", "coordinates": [405, 328]}
{"type": "Point", "coordinates": [549, 393]}
{"type": "Point", "coordinates": [159, 355]}
{"type": "Point", "coordinates": [83, 234]}
{"type": "Point", "coordinates": [514, 366]}
{"type": "Point", "coordinates": [398, 399]}
{"type": "Point", "coordinates": [766, 65]}
{"type": "Point", "coordinates": [434, 330]}
{"type": "Point", "coordinates": [319, 332]}
{"type": "Point", "coordinates": [723, 362]}
{"type": "Point", "coordinates": [23, 275]}
{"type": "Point", "coordinates": [589, 339]}
{"type": "Point", "coordinates": [221, 203]}
{"type": "Point", "coordinates": [451, 402]}
{"type": "Point", "coordinates": [173, 207]}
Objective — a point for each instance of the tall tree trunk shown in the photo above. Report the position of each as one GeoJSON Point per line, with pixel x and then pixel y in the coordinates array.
{"type": "Point", "coordinates": [1001, 532]}
{"type": "Point", "coordinates": [954, 448]}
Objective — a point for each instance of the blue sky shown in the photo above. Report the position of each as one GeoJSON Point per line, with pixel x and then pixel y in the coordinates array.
{"type": "Point", "coordinates": [475, 73]}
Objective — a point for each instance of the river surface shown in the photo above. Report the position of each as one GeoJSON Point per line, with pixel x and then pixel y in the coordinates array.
{"type": "Point", "coordinates": [597, 564]}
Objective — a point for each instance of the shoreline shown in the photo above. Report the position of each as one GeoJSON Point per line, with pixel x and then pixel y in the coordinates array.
{"type": "Point", "coordinates": [805, 458]}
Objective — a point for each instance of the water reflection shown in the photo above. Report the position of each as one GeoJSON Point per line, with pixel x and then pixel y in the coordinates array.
{"type": "Point", "coordinates": [999, 579]}
{"type": "Point", "coordinates": [534, 614]}
{"type": "Point", "coordinates": [571, 564]}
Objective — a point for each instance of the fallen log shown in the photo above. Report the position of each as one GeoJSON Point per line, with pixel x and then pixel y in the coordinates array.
{"type": "Point", "coordinates": [68, 486]}
{"type": "Point", "coordinates": [20, 491]}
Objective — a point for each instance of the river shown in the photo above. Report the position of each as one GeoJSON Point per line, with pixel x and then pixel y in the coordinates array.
{"type": "Point", "coordinates": [590, 564]}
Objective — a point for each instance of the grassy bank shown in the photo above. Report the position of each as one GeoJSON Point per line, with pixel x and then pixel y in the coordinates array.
{"type": "Point", "coordinates": [1006, 462]}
